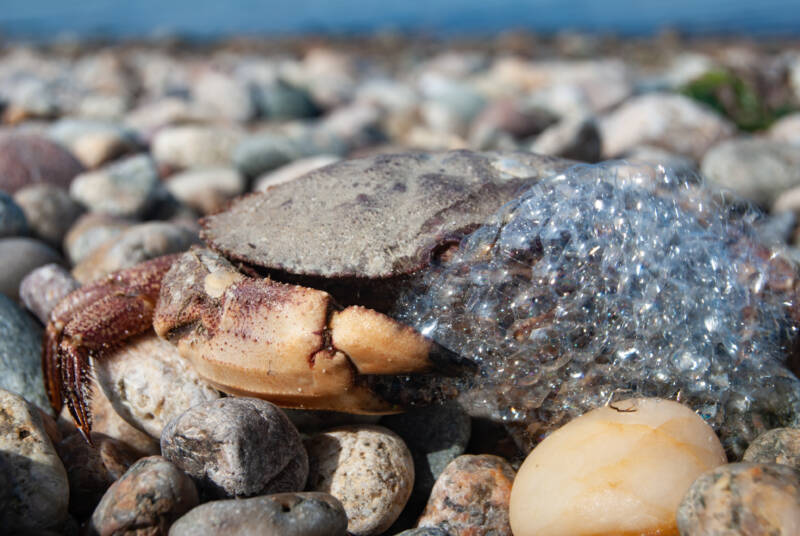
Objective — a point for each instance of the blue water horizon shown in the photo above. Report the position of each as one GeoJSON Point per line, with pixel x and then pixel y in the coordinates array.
{"type": "Point", "coordinates": [210, 19]}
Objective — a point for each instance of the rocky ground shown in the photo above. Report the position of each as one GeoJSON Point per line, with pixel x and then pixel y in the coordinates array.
{"type": "Point", "coordinates": [109, 154]}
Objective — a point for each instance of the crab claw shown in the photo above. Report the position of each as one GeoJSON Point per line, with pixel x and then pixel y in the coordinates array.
{"type": "Point", "coordinates": [284, 343]}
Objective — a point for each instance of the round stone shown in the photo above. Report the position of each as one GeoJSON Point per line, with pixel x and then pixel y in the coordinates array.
{"type": "Point", "coordinates": [194, 146]}
{"type": "Point", "coordinates": [90, 232]}
{"type": "Point", "coordinates": [50, 211]}
{"type": "Point", "coordinates": [26, 159]}
{"type": "Point", "coordinates": [206, 189]}
{"type": "Point", "coordinates": [285, 514]}
{"type": "Point", "coordinates": [20, 257]}
{"type": "Point", "coordinates": [742, 498]}
{"type": "Point", "coordinates": [126, 188]}
{"type": "Point", "coordinates": [149, 383]}
{"type": "Point", "coordinates": [618, 469]}
{"type": "Point", "coordinates": [36, 488]}
{"type": "Point", "coordinates": [21, 354]}
{"type": "Point", "coordinates": [237, 447]}
{"type": "Point", "coordinates": [44, 287]}
{"type": "Point", "coordinates": [147, 499]}
{"type": "Point", "coordinates": [368, 468]}
{"type": "Point", "coordinates": [471, 497]}
{"type": "Point", "coordinates": [12, 218]}
{"type": "Point", "coordinates": [780, 445]}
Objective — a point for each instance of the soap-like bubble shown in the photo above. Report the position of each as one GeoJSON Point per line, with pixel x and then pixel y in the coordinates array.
{"type": "Point", "coordinates": [613, 280]}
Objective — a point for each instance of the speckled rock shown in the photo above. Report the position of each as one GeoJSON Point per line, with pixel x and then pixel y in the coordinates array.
{"type": "Point", "coordinates": [368, 468]}
{"type": "Point", "coordinates": [90, 232]}
{"type": "Point", "coordinates": [284, 514]}
{"type": "Point", "coordinates": [126, 188]}
{"type": "Point", "coordinates": [424, 531]}
{"type": "Point", "coordinates": [264, 152]}
{"type": "Point", "coordinates": [91, 469]}
{"type": "Point", "coordinates": [577, 138]}
{"type": "Point", "coordinates": [742, 498]}
{"type": "Point", "coordinates": [93, 142]}
{"type": "Point", "coordinates": [50, 211]}
{"type": "Point", "coordinates": [237, 447]}
{"type": "Point", "coordinates": [471, 496]}
{"type": "Point", "coordinates": [206, 190]}
{"type": "Point", "coordinates": [195, 146]}
{"type": "Point", "coordinates": [36, 488]}
{"type": "Point", "coordinates": [672, 122]}
{"type": "Point", "coordinates": [779, 445]}
{"type": "Point", "coordinates": [20, 354]}
{"type": "Point", "coordinates": [20, 257]}
{"type": "Point", "coordinates": [12, 218]}
{"type": "Point", "coordinates": [44, 287]}
{"type": "Point", "coordinates": [149, 383]}
{"type": "Point", "coordinates": [134, 245]}
{"type": "Point", "coordinates": [447, 430]}
{"type": "Point", "coordinates": [147, 499]}
{"type": "Point", "coordinates": [107, 422]}
{"type": "Point", "coordinates": [759, 170]}
{"type": "Point", "coordinates": [293, 170]}
{"type": "Point", "coordinates": [27, 159]}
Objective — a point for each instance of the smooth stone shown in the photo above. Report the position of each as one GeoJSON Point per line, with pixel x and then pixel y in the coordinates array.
{"type": "Point", "coordinates": [281, 100]}
{"type": "Point", "coordinates": [44, 287]}
{"type": "Point", "coordinates": [471, 497]}
{"type": "Point", "coordinates": [618, 469]}
{"type": "Point", "coordinates": [577, 138]}
{"type": "Point", "coordinates": [447, 431]}
{"type": "Point", "coordinates": [424, 531]}
{"type": "Point", "coordinates": [237, 447]}
{"type": "Point", "coordinates": [513, 117]}
{"type": "Point", "coordinates": [264, 152]}
{"type": "Point", "coordinates": [36, 490]}
{"type": "Point", "coordinates": [280, 514]}
{"type": "Point", "coordinates": [21, 354]}
{"type": "Point", "coordinates": [149, 118]}
{"type": "Point", "coordinates": [91, 469]}
{"type": "Point", "coordinates": [136, 244]}
{"type": "Point", "coordinates": [125, 188]}
{"type": "Point", "coordinates": [91, 231]}
{"type": "Point", "coordinates": [27, 159]}
{"type": "Point", "coordinates": [368, 468]}
{"type": "Point", "coordinates": [12, 217]}
{"type": "Point", "coordinates": [224, 96]}
{"type": "Point", "coordinates": [786, 129]}
{"type": "Point", "coordinates": [20, 257]}
{"type": "Point", "coordinates": [107, 422]}
{"type": "Point", "coordinates": [147, 499]}
{"type": "Point", "coordinates": [757, 169]}
{"type": "Point", "coordinates": [206, 190]}
{"type": "Point", "coordinates": [742, 498]}
{"type": "Point", "coordinates": [681, 166]}
{"type": "Point", "coordinates": [779, 445]}
{"type": "Point", "coordinates": [148, 383]}
{"type": "Point", "coordinates": [98, 106]}
{"type": "Point", "coordinates": [49, 210]}
{"type": "Point", "coordinates": [293, 170]}
{"type": "Point", "coordinates": [195, 146]}
{"type": "Point", "coordinates": [93, 142]}
{"type": "Point", "coordinates": [672, 122]}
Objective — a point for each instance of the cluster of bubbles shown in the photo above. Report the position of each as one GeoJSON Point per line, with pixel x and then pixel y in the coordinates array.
{"type": "Point", "coordinates": [610, 281]}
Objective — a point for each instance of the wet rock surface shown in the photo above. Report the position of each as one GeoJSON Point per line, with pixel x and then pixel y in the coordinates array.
{"type": "Point", "coordinates": [147, 499]}
{"type": "Point", "coordinates": [289, 514]}
{"type": "Point", "coordinates": [237, 447]}
{"type": "Point", "coordinates": [368, 468]}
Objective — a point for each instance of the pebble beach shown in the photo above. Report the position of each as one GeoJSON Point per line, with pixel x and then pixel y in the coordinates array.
{"type": "Point", "coordinates": [113, 154]}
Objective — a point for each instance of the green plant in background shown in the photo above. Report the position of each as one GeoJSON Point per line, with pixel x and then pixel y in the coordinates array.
{"type": "Point", "coordinates": [736, 98]}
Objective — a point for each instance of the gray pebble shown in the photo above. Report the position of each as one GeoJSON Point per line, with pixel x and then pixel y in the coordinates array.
{"type": "Point", "coordinates": [742, 498]}
{"type": "Point", "coordinates": [93, 141]}
{"type": "Point", "coordinates": [368, 468]}
{"type": "Point", "coordinates": [21, 256]}
{"type": "Point", "coordinates": [779, 445]}
{"type": "Point", "coordinates": [147, 499]}
{"type": "Point", "coordinates": [577, 138]}
{"type": "Point", "coordinates": [237, 447]}
{"type": "Point", "coordinates": [50, 211]}
{"type": "Point", "coordinates": [126, 188]}
{"type": "Point", "coordinates": [280, 100]}
{"type": "Point", "coordinates": [12, 218]}
{"type": "Point", "coordinates": [44, 287]}
{"type": "Point", "coordinates": [21, 354]}
{"type": "Point", "coordinates": [36, 490]}
{"type": "Point", "coordinates": [264, 152]}
{"type": "Point", "coordinates": [281, 514]}
{"type": "Point", "coordinates": [206, 190]}
{"type": "Point", "coordinates": [194, 146]}
{"type": "Point", "coordinates": [92, 230]}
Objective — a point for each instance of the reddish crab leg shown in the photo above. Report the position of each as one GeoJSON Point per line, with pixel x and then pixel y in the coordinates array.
{"type": "Point", "coordinates": [112, 310]}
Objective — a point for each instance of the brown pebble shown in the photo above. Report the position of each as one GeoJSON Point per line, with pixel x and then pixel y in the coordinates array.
{"type": "Point", "coordinates": [146, 500]}
{"type": "Point", "coordinates": [780, 445]}
{"type": "Point", "coordinates": [471, 497]}
{"type": "Point", "coordinates": [27, 159]}
{"type": "Point", "coordinates": [742, 498]}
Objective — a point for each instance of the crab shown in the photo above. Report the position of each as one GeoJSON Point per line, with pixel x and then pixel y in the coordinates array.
{"type": "Point", "coordinates": [289, 343]}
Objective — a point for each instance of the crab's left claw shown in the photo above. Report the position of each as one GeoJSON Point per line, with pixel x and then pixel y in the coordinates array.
{"type": "Point", "coordinates": [284, 343]}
